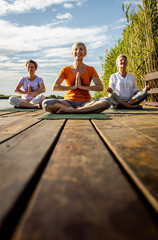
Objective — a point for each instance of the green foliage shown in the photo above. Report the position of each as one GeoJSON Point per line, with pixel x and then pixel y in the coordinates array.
{"type": "Point", "coordinates": [54, 96]}
{"type": "Point", "coordinates": [139, 42]}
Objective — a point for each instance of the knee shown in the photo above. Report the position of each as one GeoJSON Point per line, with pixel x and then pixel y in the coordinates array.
{"type": "Point", "coordinates": [109, 94]}
{"type": "Point", "coordinates": [11, 100]}
{"type": "Point", "coordinates": [106, 104]}
{"type": "Point", "coordinates": [114, 98]}
{"type": "Point", "coordinates": [46, 103]}
{"type": "Point", "coordinates": [112, 95]}
{"type": "Point", "coordinates": [42, 98]}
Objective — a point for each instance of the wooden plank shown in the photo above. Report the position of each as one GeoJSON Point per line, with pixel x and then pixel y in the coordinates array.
{"type": "Point", "coordinates": [11, 113]}
{"type": "Point", "coordinates": [134, 112]}
{"type": "Point", "coordinates": [7, 119]}
{"type": "Point", "coordinates": [150, 76]}
{"type": "Point", "coordinates": [146, 126]}
{"type": "Point", "coordinates": [11, 125]}
{"type": "Point", "coordinates": [21, 159]}
{"type": "Point", "coordinates": [84, 195]}
{"type": "Point", "coordinates": [153, 91]}
{"type": "Point", "coordinates": [137, 155]}
{"type": "Point", "coordinates": [151, 103]}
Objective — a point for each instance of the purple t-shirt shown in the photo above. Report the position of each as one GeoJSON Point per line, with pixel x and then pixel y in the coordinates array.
{"type": "Point", "coordinates": [35, 84]}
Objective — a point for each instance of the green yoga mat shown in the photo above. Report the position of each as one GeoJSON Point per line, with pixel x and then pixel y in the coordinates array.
{"type": "Point", "coordinates": [11, 109]}
{"type": "Point", "coordinates": [54, 116]}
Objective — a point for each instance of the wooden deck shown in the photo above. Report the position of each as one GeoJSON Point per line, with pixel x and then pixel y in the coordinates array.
{"type": "Point", "coordinates": [79, 179]}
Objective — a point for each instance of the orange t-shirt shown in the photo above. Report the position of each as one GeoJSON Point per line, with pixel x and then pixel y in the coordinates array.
{"type": "Point", "coordinates": [78, 95]}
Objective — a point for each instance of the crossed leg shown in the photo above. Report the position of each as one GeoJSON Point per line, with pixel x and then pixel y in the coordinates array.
{"type": "Point", "coordinates": [96, 107]}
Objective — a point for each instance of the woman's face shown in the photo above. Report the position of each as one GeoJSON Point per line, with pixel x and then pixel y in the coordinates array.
{"type": "Point", "coordinates": [122, 63]}
{"type": "Point", "coordinates": [79, 52]}
{"type": "Point", "coordinates": [31, 68]}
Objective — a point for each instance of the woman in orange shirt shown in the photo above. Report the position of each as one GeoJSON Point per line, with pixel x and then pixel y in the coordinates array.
{"type": "Point", "coordinates": [78, 77]}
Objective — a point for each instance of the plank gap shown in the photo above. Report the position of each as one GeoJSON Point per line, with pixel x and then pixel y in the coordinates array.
{"type": "Point", "coordinates": [129, 177]}
{"type": "Point", "coordinates": [138, 131]}
{"type": "Point", "coordinates": [20, 132]}
{"type": "Point", "coordinates": [14, 215]}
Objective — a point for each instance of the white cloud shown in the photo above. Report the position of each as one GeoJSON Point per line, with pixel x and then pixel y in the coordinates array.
{"type": "Point", "coordinates": [64, 16]}
{"type": "Point", "coordinates": [68, 5]}
{"type": "Point", "coordinates": [21, 6]}
{"type": "Point", "coordinates": [34, 38]}
{"type": "Point", "coordinates": [122, 20]}
{"type": "Point", "coordinates": [48, 45]}
{"type": "Point", "coordinates": [57, 52]}
{"type": "Point", "coordinates": [81, 2]}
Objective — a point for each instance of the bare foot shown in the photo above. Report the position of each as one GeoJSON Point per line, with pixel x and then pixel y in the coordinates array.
{"type": "Point", "coordinates": [138, 107]}
{"type": "Point", "coordinates": [35, 106]}
{"type": "Point", "coordinates": [132, 101]}
{"type": "Point", "coordinates": [66, 110]}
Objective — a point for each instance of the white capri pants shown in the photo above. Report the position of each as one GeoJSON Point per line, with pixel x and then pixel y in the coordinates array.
{"type": "Point", "coordinates": [16, 100]}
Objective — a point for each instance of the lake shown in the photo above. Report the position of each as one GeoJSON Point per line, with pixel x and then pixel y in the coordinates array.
{"type": "Point", "coordinates": [4, 103]}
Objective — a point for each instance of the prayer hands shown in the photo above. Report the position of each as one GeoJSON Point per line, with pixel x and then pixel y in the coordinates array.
{"type": "Point", "coordinates": [78, 81]}
{"type": "Point", "coordinates": [29, 89]}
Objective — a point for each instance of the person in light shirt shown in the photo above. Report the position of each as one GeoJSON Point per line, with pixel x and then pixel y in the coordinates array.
{"type": "Point", "coordinates": [122, 88]}
{"type": "Point", "coordinates": [30, 87]}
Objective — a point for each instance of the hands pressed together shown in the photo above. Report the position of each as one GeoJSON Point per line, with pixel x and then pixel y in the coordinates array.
{"type": "Point", "coordinates": [77, 81]}
{"type": "Point", "coordinates": [29, 89]}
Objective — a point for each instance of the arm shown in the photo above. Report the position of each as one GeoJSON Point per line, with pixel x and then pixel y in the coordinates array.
{"type": "Point", "coordinates": [58, 87]}
{"type": "Point", "coordinates": [111, 87]}
{"type": "Point", "coordinates": [18, 89]}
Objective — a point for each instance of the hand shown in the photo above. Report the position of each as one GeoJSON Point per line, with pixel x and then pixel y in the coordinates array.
{"type": "Point", "coordinates": [109, 90]}
{"type": "Point", "coordinates": [29, 89]}
{"type": "Point", "coordinates": [147, 88]}
{"type": "Point", "coordinates": [78, 80]}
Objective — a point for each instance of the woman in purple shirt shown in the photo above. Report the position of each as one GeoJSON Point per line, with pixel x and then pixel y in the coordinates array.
{"type": "Point", "coordinates": [30, 87]}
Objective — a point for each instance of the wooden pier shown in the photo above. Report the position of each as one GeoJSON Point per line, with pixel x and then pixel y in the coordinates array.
{"type": "Point", "coordinates": [79, 179]}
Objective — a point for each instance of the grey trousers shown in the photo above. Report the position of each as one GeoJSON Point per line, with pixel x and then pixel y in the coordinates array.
{"type": "Point", "coordinates": [73, 104]}
{"type": "Point", "coordinates": [140, 97]}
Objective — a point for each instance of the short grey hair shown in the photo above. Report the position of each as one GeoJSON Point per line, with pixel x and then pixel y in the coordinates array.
{"type": "Point", "coordinates": [31, 61]}
{"type": "Point", "coordinates": [79, 43]}
{"type": "Point", "coordinates": [121, 55]}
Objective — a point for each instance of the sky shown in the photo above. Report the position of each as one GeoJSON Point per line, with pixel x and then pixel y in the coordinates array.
{"type": "Point", "coordinates": [45, 30]}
